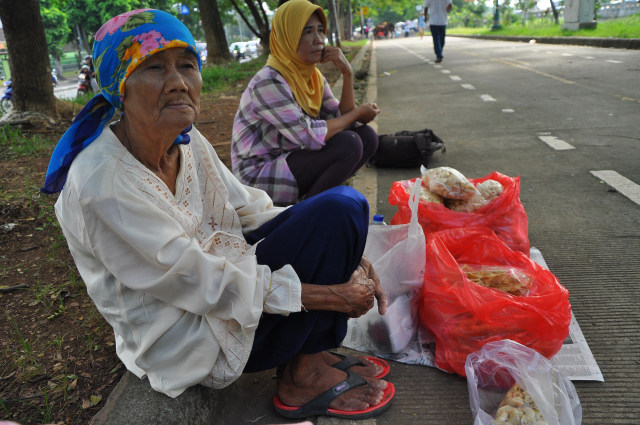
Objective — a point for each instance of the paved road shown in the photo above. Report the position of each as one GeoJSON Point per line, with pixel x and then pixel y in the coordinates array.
{"type": "Point", "coordinates": [565, 119]}
{"type": "Point", "coordinates": [67, 89]}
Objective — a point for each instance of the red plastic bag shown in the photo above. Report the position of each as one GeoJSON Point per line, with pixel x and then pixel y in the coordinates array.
{"type": "Point", "coordinates": [505, 214]}
{"type": "Point", "coordinates": [463, 315]}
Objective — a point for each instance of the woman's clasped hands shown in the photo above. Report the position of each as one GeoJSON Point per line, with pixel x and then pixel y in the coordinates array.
{"type": "Point", "coordinates": [362, 288]}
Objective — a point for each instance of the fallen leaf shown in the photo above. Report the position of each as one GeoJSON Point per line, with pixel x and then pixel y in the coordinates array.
{"type": "Point", "coordinates": [95, 399]}
{"type": "Point", "coordinates": [86, 404]}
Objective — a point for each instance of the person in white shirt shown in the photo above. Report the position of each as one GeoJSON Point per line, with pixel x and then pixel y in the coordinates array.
{"type": "Point", "coordinates": [201, 277]}
{"type": "Point", "coordinates": [437, 12]}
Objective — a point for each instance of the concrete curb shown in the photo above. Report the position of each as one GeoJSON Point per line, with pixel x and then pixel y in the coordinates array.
{"type": "Point", "coordinates": [616, 43]}
{"type": "Point", "coordinates": [133, 401]}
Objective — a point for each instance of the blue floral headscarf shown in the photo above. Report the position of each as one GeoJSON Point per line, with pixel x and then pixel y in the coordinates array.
{"type": "Point", "coordinates": [121, 44]}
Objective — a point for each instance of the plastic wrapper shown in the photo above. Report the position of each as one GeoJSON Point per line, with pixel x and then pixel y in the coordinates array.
{"type": "Point", "coordinates": [489, 189]}
{"type": "Point", "coordinates": [448, 183]}
{"type": "Point", "coordinates": [427, 196]}
{"type": "Point", "coordinates": [397, 254]}
{"type": "Point", "coordinates": [505, 215]}
{"type": "Point", "coordinates": [463, 315]}
{"type": "Point", "coordinates": [466, 205]}
{"type": "Point", "coordinates": [513, 384]}
{"type": "Point", "coordinates": [507, 279]}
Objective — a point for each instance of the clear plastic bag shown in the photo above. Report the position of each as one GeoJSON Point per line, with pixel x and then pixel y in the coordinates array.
{"type": "Point", "coordinates": [397, 254]}
{"type": "Point", "coordinates": [493, 370]}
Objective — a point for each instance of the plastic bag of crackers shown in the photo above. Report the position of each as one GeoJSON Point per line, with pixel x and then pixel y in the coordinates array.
{"type": "Point", "coordinates": [510, 383]}
{"type": "Point", "coordinates": [449, 200]}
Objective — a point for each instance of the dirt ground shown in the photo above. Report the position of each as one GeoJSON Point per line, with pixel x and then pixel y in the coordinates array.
{"type": "Point", "coordinates": [58, 362]}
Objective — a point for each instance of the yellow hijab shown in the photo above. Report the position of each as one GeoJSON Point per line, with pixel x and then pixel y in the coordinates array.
{"type": "Point", "coordinates": [306, 81]}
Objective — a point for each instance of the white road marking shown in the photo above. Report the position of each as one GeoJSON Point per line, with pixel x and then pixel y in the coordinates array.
{"type": "Point", "coordinates": [487, 98]}
{"type": "Point", "coordinates": [620, 183]}
{"type": "Point", "coordinates": [567, 54]}
{"type": "Point", "coordinates": [468, 86]}
{"type": "Point", "coordinates": [613, 61]}
{"type": "Point", "coordinates": [589, 57]}
{"type": "Point", "coordinates": [508, 111]}
{"type": "Point", "coordinates": [455, 78]}
{"type": "Point", "coordinates": [446, 71]}
{"type": "Point", "coordinates": [555, 143]}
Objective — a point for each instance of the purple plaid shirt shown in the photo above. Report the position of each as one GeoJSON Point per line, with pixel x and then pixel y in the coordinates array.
{"type": "Point", "coordinates": [268, 125]}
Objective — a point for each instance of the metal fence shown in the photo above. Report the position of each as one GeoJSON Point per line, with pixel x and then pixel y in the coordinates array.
{"type": "Point", "coordinates": [618, 10]}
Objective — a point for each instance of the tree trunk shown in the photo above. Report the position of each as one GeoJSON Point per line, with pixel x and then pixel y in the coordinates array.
{"type": "Point", "coordinates": [555, 12]}
{"type": "Point", "coordinates": [333, 24]}
{"type": "Point", "coordinates": [349, 21]}
{"type": "Point", "coordinates": [28, 57]}
{"type": "Point", "coordinates": [217, 47]}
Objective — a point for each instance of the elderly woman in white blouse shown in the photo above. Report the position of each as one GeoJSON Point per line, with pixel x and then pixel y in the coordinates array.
{"type": "Point", "coordinates": [201, 277]}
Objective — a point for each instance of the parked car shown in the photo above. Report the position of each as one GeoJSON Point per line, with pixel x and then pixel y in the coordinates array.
{"type": "Point", "coordinates": [254, 48]}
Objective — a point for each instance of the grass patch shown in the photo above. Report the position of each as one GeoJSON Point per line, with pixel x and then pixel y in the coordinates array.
{"type": "Point", "coordinates": [628, 27]}
{"type": "Point", "coordinates": [13, 143]}
{"type": "Point", "coordinates": [357, 43]}
{"type": "Point", "coordinates": [218, 78]}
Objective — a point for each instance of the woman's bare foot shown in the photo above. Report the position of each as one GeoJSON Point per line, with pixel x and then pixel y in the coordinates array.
{"type": "Point", "coordinates": [371, 370]}
{"type": "Point", "coordinates": [307, 376]}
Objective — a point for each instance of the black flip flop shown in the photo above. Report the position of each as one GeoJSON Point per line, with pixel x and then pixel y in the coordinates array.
{"type": "Point", "coordinates": [319, 406]}
{"type": "Point", "coordinates": [349, 361]}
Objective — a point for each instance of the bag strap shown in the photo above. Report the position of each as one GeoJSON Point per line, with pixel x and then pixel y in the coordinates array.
{"type": "Point", "coordinates": [414, 224]}
{"type": "Point", "coordinates": [424, 148]}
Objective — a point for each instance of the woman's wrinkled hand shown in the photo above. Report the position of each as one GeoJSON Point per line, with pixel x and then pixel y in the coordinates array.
{"type": "Point", "coordinates": [361, 290]}
{"type": "Point", "coordinates": [334, 54]}
{"type": "Point", "coordinates": [373, 276]}
{"type": "Point", "coordinates": [367, 112]}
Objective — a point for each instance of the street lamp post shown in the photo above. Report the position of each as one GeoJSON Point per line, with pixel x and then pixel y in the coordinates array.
{"type": "Point", "coordinates": [496, 18]}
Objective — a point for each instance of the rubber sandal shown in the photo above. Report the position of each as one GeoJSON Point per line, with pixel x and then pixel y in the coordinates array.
{"type": "Point", "coordinates": [319, 406]}
{"type": "Point", "coordinates": [349, 361]}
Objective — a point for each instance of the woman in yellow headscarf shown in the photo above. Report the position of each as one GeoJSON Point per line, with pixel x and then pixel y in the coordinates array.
{"type": "Point", "coordinates": [291, 137]}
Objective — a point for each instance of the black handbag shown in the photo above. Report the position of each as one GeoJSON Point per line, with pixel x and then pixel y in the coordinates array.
{"type": "Point", "coordinates": [406, 149]}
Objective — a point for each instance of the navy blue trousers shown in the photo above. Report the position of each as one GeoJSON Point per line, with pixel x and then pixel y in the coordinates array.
{"type": "Point", "coordinates": [438, 33]}
{"type": "Point", "coordinates": [323, 239]}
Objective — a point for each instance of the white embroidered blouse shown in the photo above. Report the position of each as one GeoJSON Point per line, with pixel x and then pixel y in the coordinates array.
{"type": "Point", "coordinates": [172, 274]}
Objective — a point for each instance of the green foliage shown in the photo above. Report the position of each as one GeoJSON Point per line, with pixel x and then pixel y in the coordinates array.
{"type": "Point", "coordinates": [55, 24]}
{"type": "Point", "coordinates": [467, 14]}
{"type": "Point", "coordinates": [628, 27]}
{"type": "Point", "coordinates": [14, 143]}
{"type": "Point", "coordinates": [217, 78]}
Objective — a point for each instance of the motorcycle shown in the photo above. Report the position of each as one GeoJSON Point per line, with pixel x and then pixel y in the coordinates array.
{"type": "Point", "coordinates": [6, 102]}
{"type": "Point", "coordinates": [84, 81]}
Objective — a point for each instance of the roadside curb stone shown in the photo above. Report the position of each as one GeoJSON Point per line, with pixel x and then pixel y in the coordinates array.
{"type": "Point", "coordinates": [133, 401]}
{"type": "Point", "coordinates": [617, 43]}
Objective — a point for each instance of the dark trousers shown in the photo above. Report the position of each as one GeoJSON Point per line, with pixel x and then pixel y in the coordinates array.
{"type": "Point", "coordinates": [438, 33]}
{"type": "Point", "coordinates": [323, 239]}
{"type": "Point", "coordinates": [340, 158]}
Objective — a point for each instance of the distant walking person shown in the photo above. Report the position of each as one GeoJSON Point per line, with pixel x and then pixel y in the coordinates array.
{"type": "Point", "coordinates": [437, 11]}
{"type": "Point", "coordinates": [422, 25]}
